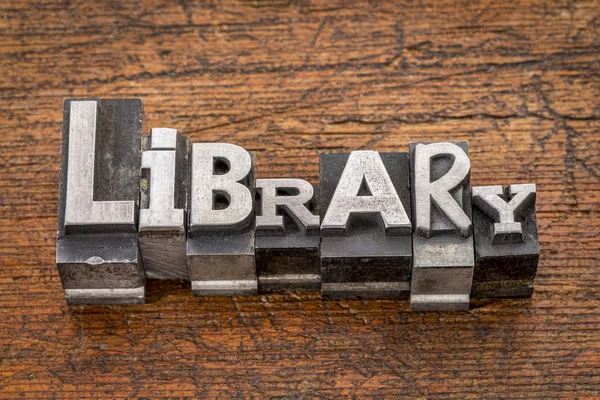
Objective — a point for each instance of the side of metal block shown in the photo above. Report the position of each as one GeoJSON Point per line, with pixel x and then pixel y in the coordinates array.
{"type": "Point", "coordinates": [364, 203]}
{"type": "Point", "coordinates": [220, 244]}
{"type": "Point", "coordinates": [97, 251]}
{"type": "Point", "coordinates": [443, 240]}
{"type": "Point", "coordinates": [163, 204]}
{"type": "Point", "coordinates": [287, 235]}
{"type": "Point", "coordinates": [506, 241]}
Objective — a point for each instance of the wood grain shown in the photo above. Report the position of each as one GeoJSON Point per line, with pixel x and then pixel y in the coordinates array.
{"type": "Point", "coordinates": [291, 79]}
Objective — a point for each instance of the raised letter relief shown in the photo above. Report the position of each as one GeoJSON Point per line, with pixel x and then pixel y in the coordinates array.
{"type": "Point", "coordinates": [97, 246]}
{"type": "Point", "coordinates": [506, 241]}
{"type": "Point", "coordinates": [365, 234]}
{"type": "Point", "coordinates": [377, 225]}
{"type": "Point", "coordinates": [163, 206]}
{"type": "Point", "coordinates": [443, 240]}
{"type": "Point", "coordinates": [220, 246]}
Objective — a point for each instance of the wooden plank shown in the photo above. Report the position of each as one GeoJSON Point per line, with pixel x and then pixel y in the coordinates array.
{"type": "Point", "coordinates": [289, 80]}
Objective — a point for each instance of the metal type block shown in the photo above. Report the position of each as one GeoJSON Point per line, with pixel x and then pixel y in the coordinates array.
{"type": "Point", "coordinates": [220, 245]}
{"type": "Point", "coordinates": [443, 240]}
{"type": "Point", "coordinates": [97, 251]}
{"type": "Point", "coordinates": [364, 204]}
{"type": "Point", "coordinates": [163, 204]}
{"type": "Point", "coordinates": [507, 250]}
{"type": "Point", "coordinates": [287, 235]}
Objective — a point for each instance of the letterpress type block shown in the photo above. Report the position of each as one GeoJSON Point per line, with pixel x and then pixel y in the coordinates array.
{"type": "Point", "coordinates": [364, 205]}
{"type": "Point", "coordinates": [507, 250]}
{"type": "Point", "coordinates": [443, 237]}
{"type": "Point", "coordinates": [163, 204]}
{"type": "Point", "coordinates": [97, 245]}
{"type": "Point", "coordinates": [220, 246]}
{"type": "Point", "coordinates": [287, 235]}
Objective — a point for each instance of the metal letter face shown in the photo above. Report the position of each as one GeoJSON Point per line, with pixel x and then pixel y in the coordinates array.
{"type": "Point", "coordinates": [220, 245]}
{"type": "Point", "coordinates": [506, 241]}
{"type": "Point", "coordinates": [97, 245]}
{"type": "Point", "coordinates": [366, 233]}
{"type": "Point", "coordinates": [443, 241]}
{"type": "Point", "coordinates": [287, 241]}
{"type": "Point", "coordinates": [164, 195]}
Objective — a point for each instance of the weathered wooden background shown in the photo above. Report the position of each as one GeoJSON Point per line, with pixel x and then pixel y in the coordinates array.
{"type": "Point", "coordinates": [292, 79]}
